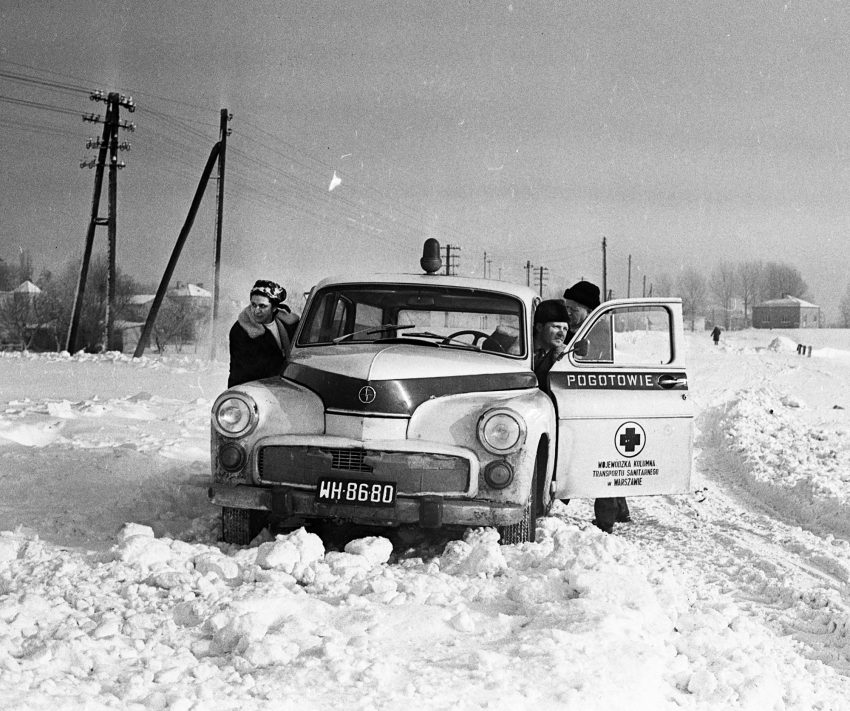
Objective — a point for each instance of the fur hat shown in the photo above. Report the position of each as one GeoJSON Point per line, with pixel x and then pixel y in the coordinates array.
{"type": "Point", "coordinates": [551, 310]}
{"type": "Point", "coordinates": [584, 293]}
{"type": "Point", "coordinates": [272, 291]}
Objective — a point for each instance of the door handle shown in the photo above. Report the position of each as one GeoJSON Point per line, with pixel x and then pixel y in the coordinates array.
{"type": "Point", "coordinates": [672, 381]}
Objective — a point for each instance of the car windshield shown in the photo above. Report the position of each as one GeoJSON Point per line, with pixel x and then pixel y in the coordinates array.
{"type": "Point", "coordinates": [444, 316]}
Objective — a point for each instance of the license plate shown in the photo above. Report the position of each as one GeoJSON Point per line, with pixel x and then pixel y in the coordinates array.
{"type": "Point", "coordinates": [356, 491]}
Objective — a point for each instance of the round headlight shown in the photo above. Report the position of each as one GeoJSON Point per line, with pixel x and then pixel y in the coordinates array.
{"type": "Point", "coordinates": [501, 431]}
{"type": "Point", "coordinates": [234, 415]}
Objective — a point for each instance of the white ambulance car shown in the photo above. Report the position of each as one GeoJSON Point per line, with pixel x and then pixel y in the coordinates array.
{"type": "Point", "coordinates": [410, 399]}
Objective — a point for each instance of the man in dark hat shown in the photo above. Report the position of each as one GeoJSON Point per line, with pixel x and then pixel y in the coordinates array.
{"type": "Point", "coordinates": [551, 327]}
{"type": "Point", "coordinates": [581, 298]}
{"type": "Point", "coordinates": [260, 338]}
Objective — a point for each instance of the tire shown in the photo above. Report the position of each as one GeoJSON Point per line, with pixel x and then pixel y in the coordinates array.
{"type": "Point", "coordinates": [525, 530]}
{"type": "Point", "coordinates": [241, 526]}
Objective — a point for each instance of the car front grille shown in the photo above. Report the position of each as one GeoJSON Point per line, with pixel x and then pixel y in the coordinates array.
{"type": "Point", "coordinates": [413, 472]}
{"type": "Point", "coordinates": [350, 460]}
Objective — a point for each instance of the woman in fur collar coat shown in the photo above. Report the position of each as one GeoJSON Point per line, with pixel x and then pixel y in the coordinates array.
{"type": "Point", "coordinates": [260, 338]}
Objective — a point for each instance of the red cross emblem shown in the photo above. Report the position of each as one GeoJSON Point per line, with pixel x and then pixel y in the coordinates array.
{"type": "Point", "coordinates": [630, 439]}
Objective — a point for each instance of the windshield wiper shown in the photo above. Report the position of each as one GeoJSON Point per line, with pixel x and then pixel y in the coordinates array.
{"type": "Point", "coordinates": [374, 329]}
{"type": "Point", "coordinates": [444, 340]}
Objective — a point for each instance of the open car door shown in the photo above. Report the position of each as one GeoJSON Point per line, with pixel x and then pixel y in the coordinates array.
{"type": "Point", "coordinates": [625, 421]}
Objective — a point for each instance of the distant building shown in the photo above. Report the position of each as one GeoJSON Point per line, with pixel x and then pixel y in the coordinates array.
{"type": "Point", "coordinates": [194, 302]}
{"type": "Point", "coordinates": [787, 312]}
{"type": "Point", "coordinates": [195, 292]}
{"type": "Point", "coordinates": [21, 324]}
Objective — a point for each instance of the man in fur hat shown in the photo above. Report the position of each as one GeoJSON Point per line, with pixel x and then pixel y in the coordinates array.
{"type": "Point", "coordinates": [581, 298]}
{"type": "Point", "coordinates": [551, 328]}
{"type": "Point", "coordinates": [260, 338]}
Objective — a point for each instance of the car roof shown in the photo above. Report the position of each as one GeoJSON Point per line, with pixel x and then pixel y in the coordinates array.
{"type": "Point", "coordinates": [525, 293]}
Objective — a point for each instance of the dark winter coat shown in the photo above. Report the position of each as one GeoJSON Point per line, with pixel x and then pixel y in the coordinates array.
{"type": "Point", "coordinates": [254, 352]}
{"type": "Point", "coordinates": [542, 364]}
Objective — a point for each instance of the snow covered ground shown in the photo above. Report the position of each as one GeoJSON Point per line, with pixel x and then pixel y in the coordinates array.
{"type": "Point", "coordinates": [114, 593]}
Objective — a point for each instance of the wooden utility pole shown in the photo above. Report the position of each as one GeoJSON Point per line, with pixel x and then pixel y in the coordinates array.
{"type": "Point", "coordinates": [108, 142]}
{"type": "Point", "coordinates": [224, 132]}
{"type": "Point", "coordinates": [451, 261]}
{"type": "Point", "coordinates": [604, 269]}
{"type": "Point", "coordinates": [541, 279]}
{"type": "Point", "coordinates": [528, 273]}
{"type": "Point", "coordinates": [629, 281]}
{"type": "Point", "coordinates": [111, 226]}
{"type": "Point", "coordinates": [175, 254]}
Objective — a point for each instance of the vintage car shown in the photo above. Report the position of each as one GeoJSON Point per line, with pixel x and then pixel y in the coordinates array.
{"type": "Point", "coordinates": [410, 399]}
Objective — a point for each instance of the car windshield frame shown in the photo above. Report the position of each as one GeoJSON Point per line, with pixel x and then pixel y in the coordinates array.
{"type": "Point", "coordinates": [354, 314]}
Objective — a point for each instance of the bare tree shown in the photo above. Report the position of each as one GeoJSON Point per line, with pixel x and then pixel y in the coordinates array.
{"type": "Point", "coordinates": [750, 279]}
{"type": "Point", "coordinates": [177, 323]}
{"type": "Point", "coordinates": [23, 316]}
{"type": "Point", "coordinates": [663, 285]}
{"type": "Point", "coordinates": [59, 297]}
{"type": "Point", "coordinates": [723, 287]}
{"type": "Point", "coordinates": [780, 279]}
{"type": "Point", "coordinates": [844, 308]}
{"type": "Point", "coordinates": [692, 289]}
{"type": "Point", "coordinates": [7, 277]}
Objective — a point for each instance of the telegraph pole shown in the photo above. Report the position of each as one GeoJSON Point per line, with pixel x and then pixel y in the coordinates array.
{"type": "Point", "coordinates": [604, 269]}
{"type": "Point", "coordinates": [629, 281]}
{"type": "Point", "coordinates": [112, 227]}
{"type": "Point", "coordinates": [108, 141]}
{"type": "Point", "coordinates": [541, 278]}
{"type": "Point", "coordinates": [528, 273]}
{"type": "Point", "coordinates": [224, 132]}
{"type": "Point", "coordinates": [451, 260]}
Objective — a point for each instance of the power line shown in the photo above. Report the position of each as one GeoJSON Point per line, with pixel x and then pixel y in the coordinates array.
{"type": "Point", "coordinates": [39, 105]}
{"type": "Point", "coordinates": [34, 81]}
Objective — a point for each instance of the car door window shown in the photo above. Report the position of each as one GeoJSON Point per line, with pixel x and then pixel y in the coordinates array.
{"type": "Point", "coordinates": [637, 335]}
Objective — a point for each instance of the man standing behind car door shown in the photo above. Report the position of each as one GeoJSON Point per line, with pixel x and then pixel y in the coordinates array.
{"type": "Point", "coordinates": [580, 299]}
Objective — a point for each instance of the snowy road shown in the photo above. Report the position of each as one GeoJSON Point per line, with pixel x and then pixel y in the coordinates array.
{"type": "Point", "coordinates": [733, 598]}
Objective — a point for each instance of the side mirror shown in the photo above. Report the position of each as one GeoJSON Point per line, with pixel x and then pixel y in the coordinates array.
{"type": "Point", "coordinates": [580, 348]}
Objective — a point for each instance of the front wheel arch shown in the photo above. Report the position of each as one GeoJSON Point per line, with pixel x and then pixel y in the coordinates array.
{"type": "Point", "coordinates": [526, 529]}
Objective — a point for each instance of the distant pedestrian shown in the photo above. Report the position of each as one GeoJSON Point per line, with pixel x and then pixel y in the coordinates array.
{"type": "Point", "coordinates": [715, 334]}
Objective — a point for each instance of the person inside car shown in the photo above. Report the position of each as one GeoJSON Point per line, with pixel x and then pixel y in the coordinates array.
{"type": "Point", "coordinates": [260, 338]}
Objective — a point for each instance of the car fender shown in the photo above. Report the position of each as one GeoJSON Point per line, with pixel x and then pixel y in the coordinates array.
{"type": "Point", "coordinates": [282, 407]}
{"type": "Point", "coordinates": [454, 419]}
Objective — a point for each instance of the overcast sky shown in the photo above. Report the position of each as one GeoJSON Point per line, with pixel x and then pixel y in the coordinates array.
{"type": "Point", "coordinates": [686, 133]}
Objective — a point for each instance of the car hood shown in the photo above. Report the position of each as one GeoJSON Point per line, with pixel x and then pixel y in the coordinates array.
{"type": "Point", "coordinates": [396, 378]}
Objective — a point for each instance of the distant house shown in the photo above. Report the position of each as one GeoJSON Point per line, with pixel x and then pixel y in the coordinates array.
{"type": "Point", "coordinates": [20, 321]}
{"type": "Point", "coordinates": [787, 312]}
{"type": "Point", "coordinates": [195, 292]}
{"type": "Point", "coordinates": [193, 299]}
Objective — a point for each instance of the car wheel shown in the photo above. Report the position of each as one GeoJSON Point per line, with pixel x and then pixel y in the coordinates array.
{"type": "Point", "coordinates": [526, 529]}
{"type": "Point", "coordinates": [241, 526]}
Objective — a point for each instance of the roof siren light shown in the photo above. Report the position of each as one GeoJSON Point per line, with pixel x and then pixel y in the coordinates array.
{"type": "Point", "coordinates": [431, 262]}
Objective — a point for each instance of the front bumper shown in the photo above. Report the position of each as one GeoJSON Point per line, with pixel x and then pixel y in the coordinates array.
{"type": "Point", "coordinates": [425, 511]}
